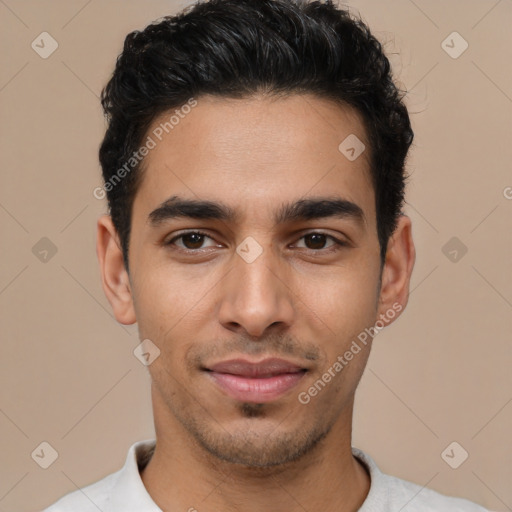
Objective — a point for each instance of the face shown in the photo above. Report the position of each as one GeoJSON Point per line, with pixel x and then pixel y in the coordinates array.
{"type": "Point", "coordinates": [254, 267]}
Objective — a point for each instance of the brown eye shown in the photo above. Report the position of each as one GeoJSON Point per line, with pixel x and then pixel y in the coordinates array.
{"type": "Point", "coordinates": [318, 242]}
{"type": "Point", "coordinates": [315, 240]}
{"type": "Point", "coordinates": [192, 240]}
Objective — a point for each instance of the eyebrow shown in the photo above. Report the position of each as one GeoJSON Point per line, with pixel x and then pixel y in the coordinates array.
{"type": "Point", "coordinates": [301, 210]}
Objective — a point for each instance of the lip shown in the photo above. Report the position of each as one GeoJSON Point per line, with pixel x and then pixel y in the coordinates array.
{"type": "Point", "coordinates": [259, 382]}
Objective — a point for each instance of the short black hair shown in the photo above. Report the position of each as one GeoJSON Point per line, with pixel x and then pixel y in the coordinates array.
{"type": "Point", "coordinates": [235, 49]}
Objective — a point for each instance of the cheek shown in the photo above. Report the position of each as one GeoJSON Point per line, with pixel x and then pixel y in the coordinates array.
{"type": "Point", "coordinates": [170, 307]}
{"type": "Point", "coordinates": [165, 300]}
{"type": "Point", "coordinates": [344, 300]}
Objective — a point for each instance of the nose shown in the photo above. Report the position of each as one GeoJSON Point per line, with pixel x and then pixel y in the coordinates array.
{"type": "Point", "coordinates": [255, 296]}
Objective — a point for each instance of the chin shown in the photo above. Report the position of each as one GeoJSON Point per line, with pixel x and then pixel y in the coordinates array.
{"type": "Point", "coordinates": [260, 445]}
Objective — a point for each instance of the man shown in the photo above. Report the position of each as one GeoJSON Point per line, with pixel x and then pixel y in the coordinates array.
{"type": "Point", "coordinates": [254, 168]}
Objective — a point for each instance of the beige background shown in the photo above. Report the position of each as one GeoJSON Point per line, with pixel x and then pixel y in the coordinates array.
{"type": "Point", "coordinates": [441, 373]}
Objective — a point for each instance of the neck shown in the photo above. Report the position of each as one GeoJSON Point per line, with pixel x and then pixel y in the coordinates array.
{"type": "Point", "coordinates": [181, 475]}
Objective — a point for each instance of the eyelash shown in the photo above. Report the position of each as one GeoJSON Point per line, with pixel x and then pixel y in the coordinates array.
{"type": "Point", "coordinates": [338, 244]}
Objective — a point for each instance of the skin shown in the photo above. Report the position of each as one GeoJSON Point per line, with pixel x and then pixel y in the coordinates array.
{"type": "Point", "coordinates": [297, 301]}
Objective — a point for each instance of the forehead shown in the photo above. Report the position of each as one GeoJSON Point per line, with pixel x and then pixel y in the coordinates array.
{"type": "Point", "coordinates": [256, 153]}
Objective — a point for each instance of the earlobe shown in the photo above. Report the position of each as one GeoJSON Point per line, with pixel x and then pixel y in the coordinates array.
{"type": "Point", "coordinates": [115, 280]}
{"type": "Point", "coordinates": [397, 270]}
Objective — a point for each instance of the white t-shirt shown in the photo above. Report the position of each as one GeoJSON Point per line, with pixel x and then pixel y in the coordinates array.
{"type": "Point", "coordinates": [124, 491]}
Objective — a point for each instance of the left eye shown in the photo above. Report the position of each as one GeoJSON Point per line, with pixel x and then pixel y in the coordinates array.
{"type": "Point", "coordinates": [317, 241]}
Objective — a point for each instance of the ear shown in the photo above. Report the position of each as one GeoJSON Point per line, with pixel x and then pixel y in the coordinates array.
{"type": "Point", "coordinates": [397, 270]}
{"type": "Point", "coordinates": [115, 279]}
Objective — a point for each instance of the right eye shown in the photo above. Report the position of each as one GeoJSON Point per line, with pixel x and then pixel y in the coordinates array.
{"type": "Point", "coordinates": [190, 241]}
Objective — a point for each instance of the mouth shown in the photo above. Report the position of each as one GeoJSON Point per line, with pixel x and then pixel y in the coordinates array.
{"type": "Point", "coordinates": [257, 382]}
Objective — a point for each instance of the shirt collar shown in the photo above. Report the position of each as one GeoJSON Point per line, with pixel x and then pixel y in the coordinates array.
{"type": "Point", "coordinates": [128, 493]}
{"type": "Point", "coordinates": [378, 496]}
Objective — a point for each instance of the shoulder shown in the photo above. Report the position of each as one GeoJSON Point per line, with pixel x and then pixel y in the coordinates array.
{"type": "Point", "coordinates": [389, 493]}
{"type": "Point", "coordinates": [91, 498]}
{"type": "Point", "coordinates": [119, 491]}
{"type": "Point", "coordinates": [411, 497]}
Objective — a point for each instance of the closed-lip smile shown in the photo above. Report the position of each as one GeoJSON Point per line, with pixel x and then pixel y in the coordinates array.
{"type": "Point", "coordinates": [258, 382]}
